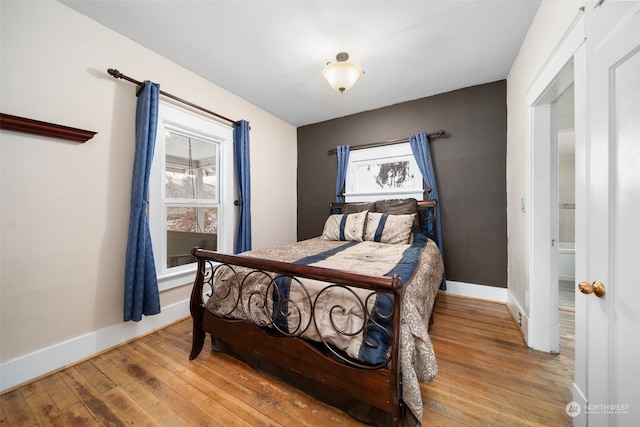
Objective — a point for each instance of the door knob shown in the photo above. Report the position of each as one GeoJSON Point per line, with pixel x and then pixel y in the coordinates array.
{"type": "Point", "coordinates": [596, 288]}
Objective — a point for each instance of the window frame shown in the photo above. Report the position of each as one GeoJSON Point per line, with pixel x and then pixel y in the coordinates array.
{"type": "Point", "coordinates": [383, 154]}
{"type": "Point", "coordinates": [172, 118]}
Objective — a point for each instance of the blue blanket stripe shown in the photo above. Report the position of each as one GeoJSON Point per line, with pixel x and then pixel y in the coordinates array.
{"type": "Point", "coordinates": [384, 306]}
{"type": "Point", "coordinates": [343, 224]}
{"type": "Point", "coordinates": [405, 268]}
{"type": "Point", "coordinates": [378, 235]}
{"type": "Point", "coordinates": [284, 283]}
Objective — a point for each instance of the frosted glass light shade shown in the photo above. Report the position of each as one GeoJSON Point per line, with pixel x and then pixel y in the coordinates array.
{"type": "Point", "coordinates": [342, 75]}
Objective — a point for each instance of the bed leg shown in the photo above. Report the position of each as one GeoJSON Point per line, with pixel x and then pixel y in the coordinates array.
{"type": "Point", "coordinates": [197, 311]}
{"type": "Point", "coordinates": [397, 416]}
{"type": "Point", "coordinates": [197, 342]}
{"type": "Point", "coordinates": [198, 334]}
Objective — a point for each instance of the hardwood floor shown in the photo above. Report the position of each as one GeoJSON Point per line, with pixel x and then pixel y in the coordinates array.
{"type": "Point", "coordinates": [487, 377]}
{"type": "Point", "coordinates": [566, 294]}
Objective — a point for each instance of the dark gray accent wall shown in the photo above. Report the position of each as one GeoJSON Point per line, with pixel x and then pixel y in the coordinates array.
{"type": "Point", "coordinates": [470, 168]}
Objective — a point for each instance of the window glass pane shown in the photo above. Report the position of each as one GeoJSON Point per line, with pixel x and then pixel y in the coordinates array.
{"type": "Point", "coordinates": [190, 168]}
{"type": "Point", "coordinates": [379, 176]}
{"type": "Point", "coordinates": [188, 227]}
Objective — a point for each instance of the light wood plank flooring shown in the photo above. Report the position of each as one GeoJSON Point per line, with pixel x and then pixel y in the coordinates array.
{"type": "Point", "coordinates": [566, 294]}
{"type": "Point", "coordinates": [487, 377]}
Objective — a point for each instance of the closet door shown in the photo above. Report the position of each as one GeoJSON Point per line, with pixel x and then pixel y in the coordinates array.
{"type": "Point", "coordinates": [611, 290]}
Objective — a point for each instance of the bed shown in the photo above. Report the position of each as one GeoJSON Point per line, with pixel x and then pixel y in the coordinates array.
{"type": "Point", "coordinates": [321, 314]}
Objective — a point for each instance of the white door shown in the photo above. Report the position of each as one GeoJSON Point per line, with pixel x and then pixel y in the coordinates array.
{"type": "Point", "coordinates": [608, 326]}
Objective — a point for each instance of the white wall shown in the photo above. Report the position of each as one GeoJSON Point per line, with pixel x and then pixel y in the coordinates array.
{"type": "Point", "coordinates": [65, 206]}
{"type": "Point", "coordinates": [551, 23]}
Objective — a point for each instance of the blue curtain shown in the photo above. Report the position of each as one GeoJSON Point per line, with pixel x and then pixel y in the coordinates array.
{"type": "Point", "coordinates": [342, 152]}
{"type": "Point", "coordinates": [141, 295]}
{"type": "Point", "coordinates": [241, 151]}
{"type": "Point", "coordinates": [420, 148]}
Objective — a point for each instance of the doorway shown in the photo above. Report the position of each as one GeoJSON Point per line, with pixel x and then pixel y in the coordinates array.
{"type": "Point", "coordinates": [549, 99]}
{"type": "Point", "coordinates": [566, 200]}
{"type": "Point", "coordinates": [565, 214]}
{"type": "Point", "coordinates": [604, 72]}
{"type": "Point", "coordinates": [554, 125]}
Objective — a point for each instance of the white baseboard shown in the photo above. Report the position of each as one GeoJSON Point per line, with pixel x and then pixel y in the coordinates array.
{"type": "Point", "coordinates": [31, 366]}
{"type": "Point", "coordinates": [41, 362]}
{"type": "Point", "coordinates": [519, 315]}
{"type": "Point", "coordinates": [490, 293]}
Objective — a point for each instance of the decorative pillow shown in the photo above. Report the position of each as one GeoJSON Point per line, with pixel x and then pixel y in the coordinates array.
{"type": "Point", "coordinates": [387, 228]}
{"type": "Point", "coordinates": [400, 207]}
{"type": "Point", "coordinates": [345, 227]}
{"type": "Point", "coordinates": [356, 207]}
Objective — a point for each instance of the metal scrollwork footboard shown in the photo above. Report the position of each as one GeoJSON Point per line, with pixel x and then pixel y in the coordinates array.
{"type": "Point", "coordinates": [334, 327]}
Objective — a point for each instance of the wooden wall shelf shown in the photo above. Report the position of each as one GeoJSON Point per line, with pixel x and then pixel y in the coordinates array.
{"type": "Point", "coordinates": [36, 127]}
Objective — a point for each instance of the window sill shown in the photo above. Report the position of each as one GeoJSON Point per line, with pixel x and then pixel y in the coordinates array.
{"type": "Point", "coordinates": [381, 195]}
{"type": "Point", "coordinates": [176, 279]}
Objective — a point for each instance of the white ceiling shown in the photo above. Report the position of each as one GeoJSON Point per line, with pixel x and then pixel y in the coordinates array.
{"type": "Point", "coordinates": [272, 53]}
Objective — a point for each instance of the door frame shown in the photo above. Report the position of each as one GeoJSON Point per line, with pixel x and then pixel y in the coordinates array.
{"type": "Point", "coordinates": [563, 68]}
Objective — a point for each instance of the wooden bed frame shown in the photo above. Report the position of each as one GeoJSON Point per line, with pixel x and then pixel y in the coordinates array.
{"type": "Point", "coordinates": [377, 386]}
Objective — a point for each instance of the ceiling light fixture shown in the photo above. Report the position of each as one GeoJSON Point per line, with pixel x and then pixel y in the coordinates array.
{"type": "Point", "coordinates": [341, 75]}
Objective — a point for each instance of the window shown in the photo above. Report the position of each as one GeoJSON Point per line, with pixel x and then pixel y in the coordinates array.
{"type": "Point", "coordinates": [387, 172]}
{"type": "Point", "coordinates": [191, 192]}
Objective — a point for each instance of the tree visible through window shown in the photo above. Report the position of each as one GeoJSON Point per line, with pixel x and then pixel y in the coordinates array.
{"type": "Point", "coordinates": [393, 175]}
{"type": "Point", "coordinates": [383, 172]}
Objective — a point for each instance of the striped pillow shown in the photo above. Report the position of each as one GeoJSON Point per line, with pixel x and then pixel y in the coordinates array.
{"type": "Point", "coordinates": [387, 228]}
{"type": "Point", "coordinates": [345, 227]}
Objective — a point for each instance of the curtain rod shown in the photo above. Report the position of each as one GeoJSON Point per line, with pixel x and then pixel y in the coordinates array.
{"type": "Point", "coordinates": [390, 142]}
{"type": "Point", "coordinates": [118, 75]}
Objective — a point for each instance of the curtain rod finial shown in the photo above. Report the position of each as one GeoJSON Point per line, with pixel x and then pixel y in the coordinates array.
{"type": "Point", "coordinates": [115, 73]}
{"type": "Point", "coordinates": [118, 75]}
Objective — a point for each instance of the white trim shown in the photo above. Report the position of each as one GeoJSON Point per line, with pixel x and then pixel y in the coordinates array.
{"type": "Point", "coordinates": [383, 195]}
{"type": "Point", "coordinates": [519, 315]}
{"type": "Point", "coordinates": [471, 290]}
{"type": "Point", "coordinates": [177, 278]}
{"type": "Point", "coordinates": [574, 38]}
{"type": "Point", "coordinates": [31, 366]}
{"type": "Point", "coordinates": [542, 331]}
{"type": "Point", "coordinates": [177, 119]}
{"type": "Point", "coordinates": [491, 293]}
{"type": "Point", "coordinates": [377, 155]}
